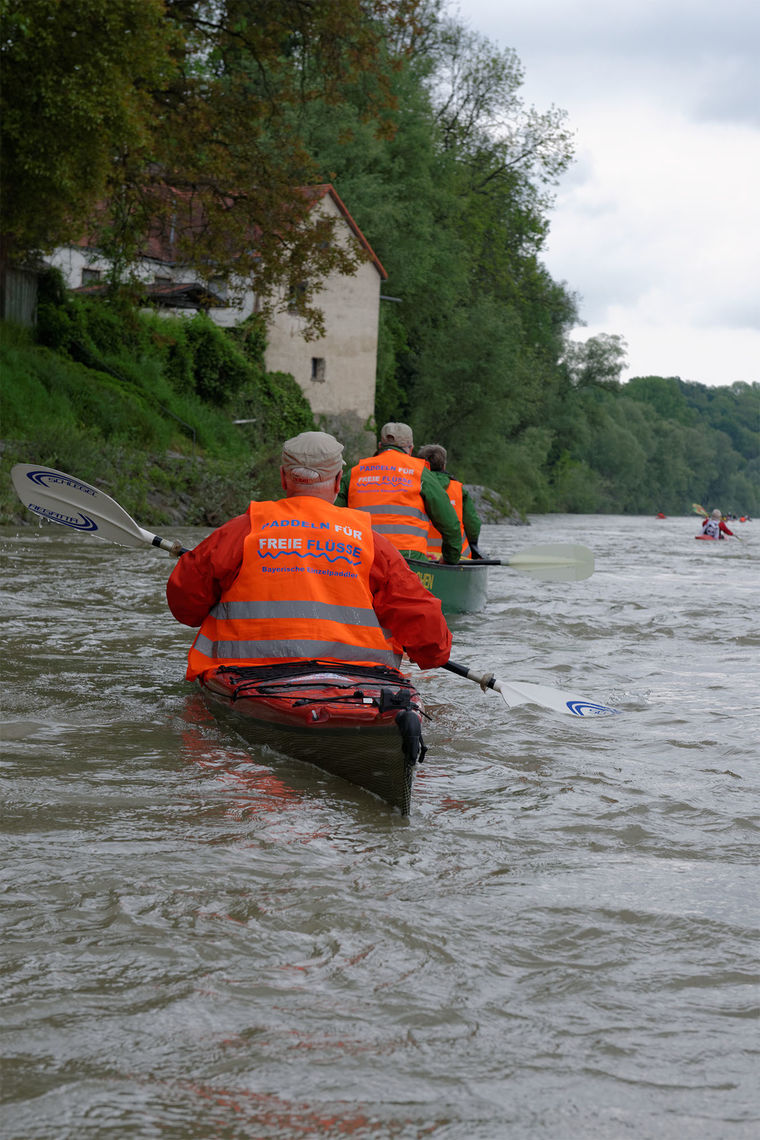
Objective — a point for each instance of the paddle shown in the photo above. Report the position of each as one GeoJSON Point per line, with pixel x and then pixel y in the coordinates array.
{"type": "Point", "coordinates": [554, 562]}
{"type": "Point", "coordinates": [521, 693]}
{"type": "Point", "coordinates": [71, 502]}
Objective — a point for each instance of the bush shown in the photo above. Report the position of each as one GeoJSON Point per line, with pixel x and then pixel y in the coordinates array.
{"type": "Point", "coordinates": [219, 369]}
{"type": "Point", "coordinates": [144, 406]}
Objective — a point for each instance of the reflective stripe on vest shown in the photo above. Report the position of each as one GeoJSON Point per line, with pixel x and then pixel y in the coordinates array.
{"type": "Point", "coordinates": [302, 592]}
{"type": "Point", "coordinates": [435, 541]}
{"type": "Point", "coordinates": [388, 487]}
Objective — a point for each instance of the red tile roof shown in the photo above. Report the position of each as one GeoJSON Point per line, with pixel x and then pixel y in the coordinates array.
{"type": "Point", "coordinates": [160, 246]}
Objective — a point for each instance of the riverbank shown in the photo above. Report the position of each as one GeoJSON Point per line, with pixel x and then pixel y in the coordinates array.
{"type": "Point", "coordinates": [157, 490]}
{"type": "Point", "coordinates": [183, 490]}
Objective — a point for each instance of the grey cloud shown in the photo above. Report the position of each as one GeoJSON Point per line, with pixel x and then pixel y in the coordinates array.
{"type": "Point", "coordinates": [739, 314]}
{"type": "Point", "coordinates": [700, 55]}
{"type": "Point", "coordinates": [733, 97]}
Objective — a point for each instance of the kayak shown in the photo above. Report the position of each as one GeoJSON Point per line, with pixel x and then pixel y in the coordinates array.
{"type": "Point", "coordinates": [707, 538]}
{"type": "Point", "coordinates": [461, 588]}
{"type": "Point", "coordinates": [362, 723]}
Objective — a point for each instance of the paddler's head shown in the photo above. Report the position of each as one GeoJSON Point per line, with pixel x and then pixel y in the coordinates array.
{"type": "Point", "coordinates": [435, 455]}
{"type": "Point", "coordinates": [397, 435]}
{"type": "Point", "coordinates": [716, 514]}
{"type": "Point", "coordinates": [312, 464]}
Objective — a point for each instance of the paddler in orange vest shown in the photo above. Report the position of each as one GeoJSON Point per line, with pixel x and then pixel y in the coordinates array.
{"type": "Point", "coordinates": [402, 496]}
{"type": "Point", "coordinates": [460, 499]}
{"type": "Point", "coordinates": [301, 579]}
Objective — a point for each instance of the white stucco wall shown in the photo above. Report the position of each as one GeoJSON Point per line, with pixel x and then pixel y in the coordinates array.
{"type": "Point", "coordinates": [71, 261]}
{"type": "Point", "coordinates": [348, 348]}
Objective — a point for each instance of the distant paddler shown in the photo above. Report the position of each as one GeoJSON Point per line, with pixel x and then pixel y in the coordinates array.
{"type": "Point", "coordinates": [460, 499]}
{"type": "Point", "coordinates": [714, 527]}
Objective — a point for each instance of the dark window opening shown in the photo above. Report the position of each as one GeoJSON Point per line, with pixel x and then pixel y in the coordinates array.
{"type": "Point", "coordinates": [318, 369]}
{"type": "Point", "coordinates": [296, 297]}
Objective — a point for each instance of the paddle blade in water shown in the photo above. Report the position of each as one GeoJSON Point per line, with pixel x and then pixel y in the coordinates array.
{"type": "Point", "coordinates": [521, 693]}
{"type": "Point", "coordinates": [557, 562]}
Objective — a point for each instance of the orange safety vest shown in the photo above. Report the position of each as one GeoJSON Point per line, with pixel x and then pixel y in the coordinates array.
{"type": "Point", "coordinates": [434, 541]}
{"type": "Point", "coordinates": [302, 593]}
{"type": "Point", "coordinates": [389, 487]}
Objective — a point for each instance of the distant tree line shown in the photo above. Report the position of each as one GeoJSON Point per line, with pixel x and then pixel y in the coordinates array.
{"type": "Point", "coordinates": [228, 108]}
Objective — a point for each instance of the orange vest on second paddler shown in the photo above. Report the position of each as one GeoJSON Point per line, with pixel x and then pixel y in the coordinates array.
{"type": "Point", "coordinates": [435, 542]}
{"type": "Point", "coordinates": [302, 592]}
{"type": "Point", "coordinates": [388, 487]}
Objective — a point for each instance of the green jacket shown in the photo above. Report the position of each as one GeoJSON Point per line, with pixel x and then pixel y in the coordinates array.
{"type": "Point", "coordinates": [438, 507]}
{"type": "Point", "coordinates": [470, 517]}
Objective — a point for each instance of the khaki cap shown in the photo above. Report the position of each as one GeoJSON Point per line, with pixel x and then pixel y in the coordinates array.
{"type": "Point", "coordinates": [400, 434]}
{"type": "Point", "coordinates": [312, 457]}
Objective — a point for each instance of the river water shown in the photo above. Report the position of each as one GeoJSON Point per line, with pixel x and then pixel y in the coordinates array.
{"type": "Point", "coordinates": [200, 942]}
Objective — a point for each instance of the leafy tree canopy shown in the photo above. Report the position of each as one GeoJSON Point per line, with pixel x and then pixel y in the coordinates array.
{"type": "Point", "coordinates": [183, 118]}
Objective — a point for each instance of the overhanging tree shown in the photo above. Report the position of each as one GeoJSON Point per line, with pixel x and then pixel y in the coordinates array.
{"type": "Point", "coordinates": [183, 119]}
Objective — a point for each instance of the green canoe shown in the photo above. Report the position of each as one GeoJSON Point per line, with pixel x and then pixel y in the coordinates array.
{"type": "Point", "coordinates": [462, 589]}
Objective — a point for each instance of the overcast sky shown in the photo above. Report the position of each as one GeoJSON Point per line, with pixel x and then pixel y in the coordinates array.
{"type": "Point", "coordinates": [656, 225]}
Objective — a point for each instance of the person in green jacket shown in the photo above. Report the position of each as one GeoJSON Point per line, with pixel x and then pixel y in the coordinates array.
{"type": "Point", "coordinates": [397, 439]}
{"type": "Point", "coordinates": [436, 456]}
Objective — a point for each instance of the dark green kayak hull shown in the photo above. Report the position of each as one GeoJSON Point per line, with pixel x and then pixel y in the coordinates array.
{"type": "Point", "coordinates": [462, 589]}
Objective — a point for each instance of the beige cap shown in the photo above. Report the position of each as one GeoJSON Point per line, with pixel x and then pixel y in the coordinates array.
{"type": "Point", "coordinates": [399, 434]}
{"type": "Point", "coordinates": [312, 457]}
{"type": "Point", "coordinates": [716, 514]}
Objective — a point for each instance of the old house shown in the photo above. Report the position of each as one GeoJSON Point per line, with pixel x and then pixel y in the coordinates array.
{"type": "Point", "coordinates": [336, 371]}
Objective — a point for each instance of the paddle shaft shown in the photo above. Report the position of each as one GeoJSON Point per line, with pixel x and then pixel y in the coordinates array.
{"type": "Point", "coordinates": [484, 680]}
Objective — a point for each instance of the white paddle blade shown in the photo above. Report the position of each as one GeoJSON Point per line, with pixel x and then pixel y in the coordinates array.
{"type": "Point", "coordinates": [557, 562]}
{"type": "Point", "coordinates": [521, 693]}
{"type": "Point", "coordinates": [71, 502]}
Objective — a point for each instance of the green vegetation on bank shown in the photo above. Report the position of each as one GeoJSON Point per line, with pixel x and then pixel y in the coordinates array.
{"type": "Point", "coordinates": [657, 443]}
{"type": "Point", "coordinates": [144, 407]}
